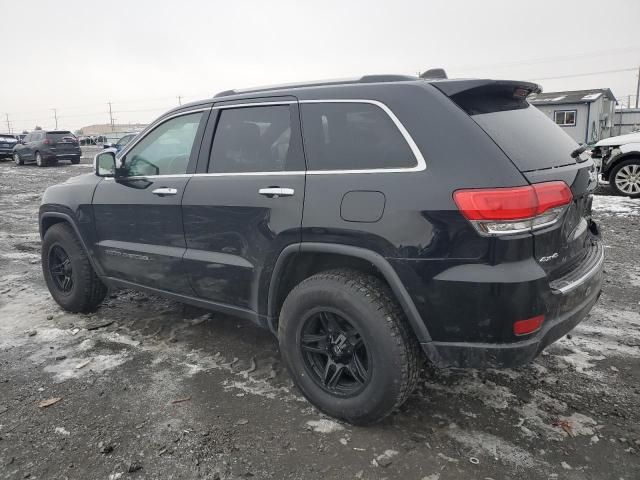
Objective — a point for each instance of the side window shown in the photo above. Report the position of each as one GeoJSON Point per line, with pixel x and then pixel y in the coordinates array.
{"type": "Point", "coordinates": [28, 138]}
{"type": "Point", "coordinates": [255, 139]}
{"type": "Point", "coordinates": [352, 136]}
{"type": "Point", "coordinates": [166, 149]}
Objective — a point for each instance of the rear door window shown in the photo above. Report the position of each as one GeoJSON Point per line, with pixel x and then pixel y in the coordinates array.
{"type": "Point", "coordinates": [255, 139]}
{"type": "Point", "coordinates": [352, 136]}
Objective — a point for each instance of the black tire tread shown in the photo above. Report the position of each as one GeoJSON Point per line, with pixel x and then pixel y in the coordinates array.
{"type": "Point", "coordinates": [384, 302]}
{"type": "Point", "coordinates": [93, 290]}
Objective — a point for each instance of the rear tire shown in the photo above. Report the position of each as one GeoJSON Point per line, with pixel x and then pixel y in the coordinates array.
{"type": "Point", "coordinates": [75, 161]}
{"type": "Point", "coordinates": [71, 280]}
{"type": "Point", "coordinates": [16, 158]}
{"type": "Point", "coordinates": [39, 160]}
{"type": "Point", "coordinates": [625, 178]}
{"type": "Point", "coordinates": [378, 356]}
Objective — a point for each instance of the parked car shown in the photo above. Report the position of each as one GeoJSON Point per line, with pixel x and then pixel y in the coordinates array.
{"type": "Point", "coordinates": [420, 220]}
{"type": "Point", "coordinates": [7, 142]}
{"type": "Point", "coordinates": [47, 148]}
{"type": "Point", "coordinates": [121, 143]}
{"type": "Point", "coordinates": [619, 160]}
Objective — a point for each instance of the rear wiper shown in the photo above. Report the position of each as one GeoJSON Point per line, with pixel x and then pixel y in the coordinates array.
{"type": "Point", "coordinates": [581, 149]}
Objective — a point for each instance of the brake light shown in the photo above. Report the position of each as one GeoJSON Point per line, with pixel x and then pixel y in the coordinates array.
{"type": "Point", "coordinates": [501, 211]}
{"type": "Point", "coordinates": [47, 141]}
{"type": "Point", "coordinates": [530, 325]}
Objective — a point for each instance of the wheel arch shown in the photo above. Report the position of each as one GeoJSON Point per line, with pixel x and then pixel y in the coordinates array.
{"type": "Point", "coordinates": [305, 259]}
{"type": "Point", "coordinates": [49, 219]}
{"type": "Point", "coordinates": [632, 155]}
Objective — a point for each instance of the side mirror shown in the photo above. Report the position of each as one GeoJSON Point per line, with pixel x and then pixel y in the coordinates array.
{"type": "Point", "coordinates": [105, 164]}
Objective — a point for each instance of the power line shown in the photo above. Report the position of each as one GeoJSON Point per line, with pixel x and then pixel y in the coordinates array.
{"type": "Point", "coordinates": [550, 59]}
{"type": "Point", "coordinates": [586, 74]}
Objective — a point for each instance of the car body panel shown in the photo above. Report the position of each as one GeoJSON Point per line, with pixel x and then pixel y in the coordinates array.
{"type": "Point", "coordinates": [619, 140]}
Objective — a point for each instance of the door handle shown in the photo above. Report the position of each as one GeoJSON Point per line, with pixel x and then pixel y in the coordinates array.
{"type": "Point", "coordinates": [274, 192]}
{"type": "Point", "coordinates": [164, 191]}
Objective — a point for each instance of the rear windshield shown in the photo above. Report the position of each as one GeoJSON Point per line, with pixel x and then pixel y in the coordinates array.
{"type": "Point", "coordinates": [530, 139]}
{"type": "Point", "coordinates": [60, 135]}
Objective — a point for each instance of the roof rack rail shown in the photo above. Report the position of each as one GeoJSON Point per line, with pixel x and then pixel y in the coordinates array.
{"type": "Point", "coordinates": [321, 83]}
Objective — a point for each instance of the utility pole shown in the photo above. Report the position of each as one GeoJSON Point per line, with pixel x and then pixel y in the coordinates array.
{"type": "Point", "coordinates": [180, 100]}
{"type": "Point", "coordinates": [110, 116]}
{"type": "Point", "coordinates": [8, 123]}
{"type": "Point", "coordinates": [55, 116]}
{"type": "Point", "coordinates": [638, 88]}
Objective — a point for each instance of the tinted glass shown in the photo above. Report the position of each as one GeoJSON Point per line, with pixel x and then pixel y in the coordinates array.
{"type": "Point", "coordinates": [530, 138]}
{"type": "Point", "coordinates": [352, 136]}
{"type": "Point", "coordinates": [166, 149]}
{"type": "Point", "coordinates": [57, 136]}
{"type": "Point", "coordinates": [124, 140]}
{"type": "Point", "coordinates": [253, 139]}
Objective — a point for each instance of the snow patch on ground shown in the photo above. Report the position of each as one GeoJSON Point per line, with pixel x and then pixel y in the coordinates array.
{"type": "Point", "coordinates": [488, 392]}
{"type": "Point", "coordinates": [325, 425]}
{"type": "Point", "coordinates": [618, 206]}
{"type": "Point", "coordinates": [76, 368]}
{"type": "Point", "coordinates": [481, 444]}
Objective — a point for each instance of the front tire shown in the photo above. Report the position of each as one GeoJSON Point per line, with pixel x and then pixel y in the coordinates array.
{"type": "Point", "coordinates": [16, 158]}
{"type": "Point", "coordinates": [347, 346]}
{"type": "Point", "coordinates": [71, 280]}
{"type": "Point", "coordinates": [625, 178]}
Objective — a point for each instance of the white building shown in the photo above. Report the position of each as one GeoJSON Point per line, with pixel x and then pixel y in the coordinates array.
{"type": "Point", "coordinates": [586, 115]}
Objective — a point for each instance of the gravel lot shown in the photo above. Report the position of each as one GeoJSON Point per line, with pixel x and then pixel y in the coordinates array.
{"type": "Point", "coordinates": [151, 389]}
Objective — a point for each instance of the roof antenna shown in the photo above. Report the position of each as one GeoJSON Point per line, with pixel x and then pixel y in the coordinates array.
{"type": "Point", "coordinates": [434, 74]}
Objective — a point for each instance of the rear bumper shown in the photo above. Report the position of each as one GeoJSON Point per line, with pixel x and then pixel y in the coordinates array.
{"type": "Point", "coordinates": [60, 156]}
{"type": "Point", "coordinates": [571, 301]}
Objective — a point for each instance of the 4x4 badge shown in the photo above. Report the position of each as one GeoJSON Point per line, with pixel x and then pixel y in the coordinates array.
{"type": "Point", "coordinates": [549, 258]}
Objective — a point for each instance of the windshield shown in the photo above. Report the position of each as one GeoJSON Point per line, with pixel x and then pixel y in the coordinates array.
{"type": "Point", "coordinates": [7, 138]}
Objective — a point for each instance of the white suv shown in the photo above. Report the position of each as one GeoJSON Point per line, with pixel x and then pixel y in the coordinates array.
{"type": "Point", "coordinates": [619, 161]}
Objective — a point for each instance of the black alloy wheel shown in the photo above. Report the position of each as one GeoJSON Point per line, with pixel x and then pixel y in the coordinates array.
{"type": "Point", "coordinates": [60, 269]}
{"type": "Point", "coordinates": [335, 354]}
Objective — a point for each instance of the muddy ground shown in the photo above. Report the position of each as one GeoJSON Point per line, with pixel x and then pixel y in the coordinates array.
{"type": "Point", "coordinates": [152, 389]}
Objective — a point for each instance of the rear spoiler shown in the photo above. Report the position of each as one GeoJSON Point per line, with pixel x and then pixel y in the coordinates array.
{"type": "Point", "coordinates": [485, 96]}
{"type": "Point", "coordinates": [454, 87]}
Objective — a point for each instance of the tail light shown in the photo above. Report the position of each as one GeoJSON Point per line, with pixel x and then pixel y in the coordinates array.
{"type": "Point", "coordinates": [530, 325]}
{"type": "Point", "coordinates": [47, 141]}
{"type": "Point", "coordinates": [505, 211]}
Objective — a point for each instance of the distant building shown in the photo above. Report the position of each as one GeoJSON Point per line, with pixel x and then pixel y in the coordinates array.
{"type": "Point", "coordinates": [586, 115]}
{"type": "Point", "coordinates": [626, 120]}
{"type": "Point", "coordinates": [107, 128]}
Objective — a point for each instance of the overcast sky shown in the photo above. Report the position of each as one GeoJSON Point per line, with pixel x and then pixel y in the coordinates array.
{"type": "Point", "coordinates": [76, 56]}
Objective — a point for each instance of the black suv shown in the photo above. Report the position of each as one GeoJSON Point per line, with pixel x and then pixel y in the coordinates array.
{"type": "Point", "coordinates": [368, 224]}
{"type": "Point", "coordinates": [47, 147]}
